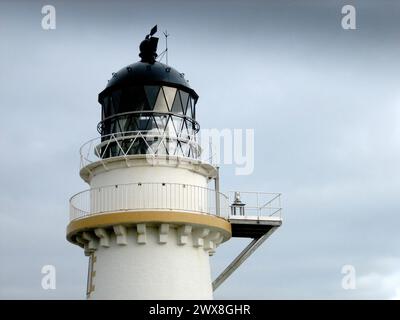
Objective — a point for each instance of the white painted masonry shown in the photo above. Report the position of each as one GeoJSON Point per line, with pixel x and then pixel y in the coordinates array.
{"type": "Point", "coordinates": [158, 268]}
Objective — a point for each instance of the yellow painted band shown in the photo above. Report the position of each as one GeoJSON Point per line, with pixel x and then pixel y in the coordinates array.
{"type": "Point", "coordinates": [134, 217]}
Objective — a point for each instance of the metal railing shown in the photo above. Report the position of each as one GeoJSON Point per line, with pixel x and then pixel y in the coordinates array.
{"type": "Point", "coordinates": [258, 203]}
{"type": "Point", "coordinates": [136, 114]}
{"type": "Point", "coordinates": [147, 196]}
{"type": "Point", "coordinates": [123, 144]}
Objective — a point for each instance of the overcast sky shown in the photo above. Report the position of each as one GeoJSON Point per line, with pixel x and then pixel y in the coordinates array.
{"type": "Point", "coordinates": [324, 103]}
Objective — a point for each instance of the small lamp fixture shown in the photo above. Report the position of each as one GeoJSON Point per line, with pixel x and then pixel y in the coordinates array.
{"type": "Point", "coordinates": [237, 205]}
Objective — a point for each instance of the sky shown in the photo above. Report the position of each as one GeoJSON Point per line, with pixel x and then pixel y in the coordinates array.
{"type": "Point", "coordinates": [323, 102]}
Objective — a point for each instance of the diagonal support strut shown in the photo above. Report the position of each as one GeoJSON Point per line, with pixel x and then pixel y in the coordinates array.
{"type": "Point", "coordinates": [246, 252]}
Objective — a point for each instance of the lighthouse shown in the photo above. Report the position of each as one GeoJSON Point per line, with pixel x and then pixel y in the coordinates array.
{"type": "Point", "coordinates": [153, 215]}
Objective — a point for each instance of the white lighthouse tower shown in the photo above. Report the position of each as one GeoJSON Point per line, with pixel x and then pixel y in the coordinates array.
{"type": "Point", "coordinates": [149, 221]}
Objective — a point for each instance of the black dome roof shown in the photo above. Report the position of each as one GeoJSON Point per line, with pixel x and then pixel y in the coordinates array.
{"type": "Point", "coordinates": [144, 73]}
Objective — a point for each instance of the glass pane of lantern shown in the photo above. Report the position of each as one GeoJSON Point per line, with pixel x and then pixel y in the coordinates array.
{"type": "Point", "coordinates": [185, 149]}
{"type": "Point", "coordinates": [151, 93]}
{"type": "Point", "coordinates": [115, 101]}
{"type": "Point", "coordinates": [134, 99]}
{"type": "Point", "coordinates": [156, 125]}
{"type": "Point", "coordinates": [179, 151]}
{"type": "Point", "coordinates": [112, 126]}
{"type": "Point", "coordinates": [161, 104]}
{"type": "Point", "coordinates": [106, 107]}
{"type": "Point", "coordinates": [190, 126]}
{"type": "Point", "coordinates": [170, 129]}
{"type": "Point", "coordinates": [184, 130]}
{"type": "Point", "coordinates": [169, 96]}
{"type": "Point", "coordinates": [117, 127]}
{"type": "Point", "coordinates": [130, 124]}
{"type": "Point", "coordinates": [193, 109]}
{"type": "Point", "coordinates": [122, 123]}
{"type": "Point", "coordinates": [171, 147]}
{"type": "Point", "coordinates": [154, 145]}
{"type": "Point", "coordinates": [174, 125]}
{"type": "Point", "coordinates": [189, 108]}
{"type": "Point", "coordinates": [185, 98]}
{"type": "Point", "coordinates": [127, 102]}
{"type": "Point", "coordinates": [144, 123]}
{"type": "Point", "coordinates": [135, 124]}
{"type": "Point", "coordinates": [161, 122]}
{"type": "Point", "coordinates": [178, 125]}
{"type": "Point", "coordinates": [177, 105]}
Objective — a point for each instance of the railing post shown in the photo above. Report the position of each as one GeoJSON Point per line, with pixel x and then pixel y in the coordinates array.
{"type": "Point", "coordinates": [217, 203]}
{"type": "Point", "coordinates": [258, 205]}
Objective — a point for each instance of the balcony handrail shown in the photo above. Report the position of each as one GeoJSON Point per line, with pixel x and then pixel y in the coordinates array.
{"type": "Point", "coordinates": [197, 199]}
{"type": "Point", "coordinates": [146, 183]}
{"type": "Point", "coordinates": [270, 201]}
{"type": "Point", "coordinates": [269, 207]}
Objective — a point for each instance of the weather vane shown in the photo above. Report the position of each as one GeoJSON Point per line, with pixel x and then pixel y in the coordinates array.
{"type": "Point", "coordinates": [148, 47]}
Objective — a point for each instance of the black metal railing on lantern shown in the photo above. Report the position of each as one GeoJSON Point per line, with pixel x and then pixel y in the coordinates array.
{"type": "Point", "coordinates": [127, 144]}
{"type": "Point", "coordinates": [174, 124]}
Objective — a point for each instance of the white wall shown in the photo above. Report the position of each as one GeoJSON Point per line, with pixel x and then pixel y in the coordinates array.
{"type": "Point", "coordinates": [147, 173]}
{"type": "Point", "coordinates": [151, 270]}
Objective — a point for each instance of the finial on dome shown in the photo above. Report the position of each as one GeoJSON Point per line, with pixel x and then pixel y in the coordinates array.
{"type": "Point", "coordinates": [148, 47]}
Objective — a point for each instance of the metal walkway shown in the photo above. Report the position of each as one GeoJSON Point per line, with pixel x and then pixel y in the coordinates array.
{"type": "Point", "coordinates": [257, 227]}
